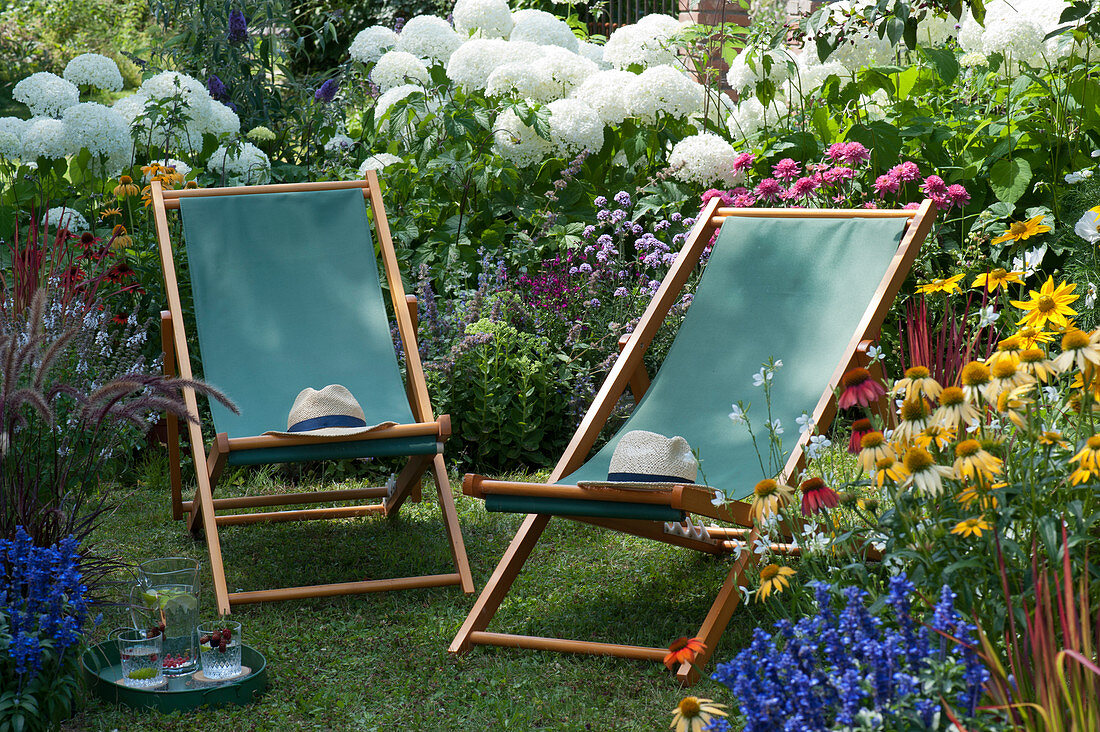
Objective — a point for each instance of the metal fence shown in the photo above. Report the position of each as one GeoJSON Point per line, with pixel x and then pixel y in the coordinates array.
{"type": "Point", "coordinates": [616, 13]}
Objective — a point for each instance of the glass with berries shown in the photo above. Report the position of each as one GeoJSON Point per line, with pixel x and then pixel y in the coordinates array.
{"type": "Point", "coordinates": [220, 649]}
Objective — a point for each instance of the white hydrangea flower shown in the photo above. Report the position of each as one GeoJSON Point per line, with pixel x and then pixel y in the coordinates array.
{"type": "Point", "coordinates": [1015, 30]}
{"type": "Point", "coordinates": [566, 68]}
{"type": "Point", "coordinates": [660, 24]}
{"type": "Point", "coordinates": [12, 130]}
{"type": "Point", "coordinates": [1017, 37]}
{"type": "Point", "coordinates": [704, 160]}
{"type": "Point", "coordinates": [483, 18]}
{"type": "Point", "coordinates": [103, 132]}
{"type": "Point", "coordinates": [47, 138]}
{"type": "Point", "coordinates": [876, 106]}
{"type": "Point", "coordinates": [594, 53]}
{"type": "Point", "coordinates": [221, 120]}
{"type": "Point", "coordinates": [640, 45]}
{"type": "Point", "coordinates": [936, 30]}
{"type": "Point", "coordinates": [538, 26]}
{"type": "Point", "coordinates": [429, 38]}
{"type": "Point", "coordinates": [517, 142]}
{"type": "Point", "coordinates": [169, 84]}
{"type": "Point", "coordinates": [377, 162]}
{"type": "Point", "coordinates": [370, 43]}
{"type": "Point", "coordinates": [574, 126]}
{"type": "Point", "coordinates": [809, 76]}
{"type": "Point", "coordinates": [858, 51]}
{"type": "Point", "coordinates": [473, 62]}
{"type": "Point", "coordinates": [65, 218]}
{"type": "Point", "coordinates": [46, 94]}
{"type": "Point", "coordinates": [603, 91]}
{"type": "Point", "coordinates": [94, 69]}
{"type": "Point", "coordinates": [339, 141]}
{"type": "Point", "coordinates": [396, 68]}
{"type": "Point", "coordinates": [530, 81]}
{"type": "Point", "coordinates": [394, 95]}
{"type": "Point", "coordinates": [750, 116]}
{"type": "Point", "coordinates": [973, 58]}
{"type": "Point", "coordinates": [663, 90]}
{"type": "Point", "coordinates": [747, 70]}
{"type": "Point", "coordinates": [130, 107]}
{"type": "Point", "coordinates": [245, 167]}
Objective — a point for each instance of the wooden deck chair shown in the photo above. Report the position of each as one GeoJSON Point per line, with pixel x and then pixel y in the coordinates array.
{"type": "Point", "coordinates": [287, 295]}
{"type": "Point", "coordinates": [807, 287]}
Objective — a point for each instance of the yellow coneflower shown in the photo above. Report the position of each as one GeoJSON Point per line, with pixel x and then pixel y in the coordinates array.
{"type": "Point", "coordinates": [873, 447]}
{"type": "Point", "coordinates": [126, 187]}
{"type": "Point", "coordinates": [1032, 336]}
{"type": "Point", "coordinates": [1005, 375]}
{"type": "Point", "coordinates": [1080, 350]}
{"type": "Point", "coordinates": [1049, 305]}
{"type": "Point", "coordinates": [693, 714]}
{"type": "Point", "coordinates": [108, 213]}
{"type": "Point", "coordinates": [971, 527]}
{"type": "Point", "coordinates": [119, 238]}
{"type": "Point", "coordinates": [918, 381]}
{"type": "Point", "coordinates": [947, 284]}
{"type": "Point", "coordinates": [1090, 385]}
{"type": "Point", "coordinates": [977, 493]}
{"type": "Point", "coordinates": [935, 437]}
{"type": "Point", "coordinates": [151, 170]}
{"type": "Point", "coordinates": [147, 196]}
{"type": "Point", "coordinates": [768, 497]}
{"type": "Point", "coordinates": [1011, 403]}
{"type": "Point", "coordinates": [773, 578]}
{"type": "Point", "coordinates": [1035, 363]}
{"type": "Point", "coordinates": [1008, 348]}
{"type": "Point", "coordinates": [972, 462]}
{"type": "Point", "coordinates": [924, 474]}
{"type": "Point", "coordinates": [1021, 230]}
{"type": "Point", "coordinates": [974, 378]}
{"type": "Point", "coordinates": [1052, 438]}
{"type": "Point", "coordinates": [996, 278]}
{"type": "Point", "coordinates": [889, 469]}
{"type": "Point", "coordinates": [1089, 456]}
{"type": "Point", "coordinates": [914, 415]}
{"type": "Point", "coordinates": [955, 411]}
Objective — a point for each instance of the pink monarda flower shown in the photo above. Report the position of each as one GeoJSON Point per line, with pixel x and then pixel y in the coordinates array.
{"type": "Point", "coordinates": [957, 195]}
{"type": "Point", "coordinates": [744, 161]}
{"type": "Point", "coordinates": [859, 389]}
{"type": "Point", "coordinates": [835, 175]}
{"type": "Point", "coordinates": [859, 428]}
{"type": "Point", "coordinates": [786, 169]}
{"type": "Point", "coordinates": [715, 193]}
{"type": "Point", "coordinates": [817, 496]}
{"type": "Point", "coordinates": [744, 200]}
{"type": "Point", "coordinates": [905, 172]}
{"type": "Point", "coordinates": [769, 189]}
{"type": "Point", "coordinates": [887, 183]}
{"type": "Point", "coordinates": [802, 187]}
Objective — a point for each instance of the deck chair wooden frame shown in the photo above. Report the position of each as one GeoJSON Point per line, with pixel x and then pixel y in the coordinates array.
{"type": "Point", "coordinates": [629, 372]}
{"type": "Point", "coordinates": [204, 514]}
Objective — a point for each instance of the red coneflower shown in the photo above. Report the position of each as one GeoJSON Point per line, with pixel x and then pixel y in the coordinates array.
{"type": "Point", "coordinates": [683, 650]}
{"type": "Point", "coordinates": [860, 389]}
{"type": "Point", "coordinates": [816, 496]}
{"type": "Point", "coordinates": [120, 318]}
{"type": "Point", "coordinates": [859, 428]}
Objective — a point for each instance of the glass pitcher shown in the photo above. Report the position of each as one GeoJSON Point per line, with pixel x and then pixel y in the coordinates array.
{"type": "Point", "coordinates": [167, 598]}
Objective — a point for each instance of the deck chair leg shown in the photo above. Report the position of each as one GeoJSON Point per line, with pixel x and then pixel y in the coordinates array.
{"type": "Point", "coordinates": [175, 475]}
{"type": "Point", "coordinates": [407, 480]}
{"type": "Point", "coordinates": [450, 523]}
{"type": "Point", "coordinates": [215, 464]}
{"type": "Point", "coordinates": [729, 597]}
{"type": "Point", "coordinates": [501, 580]}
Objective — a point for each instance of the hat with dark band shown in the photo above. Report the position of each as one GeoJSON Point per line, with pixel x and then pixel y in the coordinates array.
{"type": "Point", "coordinates": [328, 411]}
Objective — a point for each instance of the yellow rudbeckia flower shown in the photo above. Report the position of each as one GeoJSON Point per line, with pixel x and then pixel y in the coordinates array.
{"type": "Point", "coordinates": [1020, 230]}
{"type": "Point", "coordinates": [1049, 305]}
{"type": "Point", "coordinates": [948, 285]}
{"type": "Point", "coordinates": [995, 279]}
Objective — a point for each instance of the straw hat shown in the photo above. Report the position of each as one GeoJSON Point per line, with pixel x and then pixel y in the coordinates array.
{"type": "Point", "coordinates": [648, 460]}
{"type": "Point", "coordinates": [330, 411]}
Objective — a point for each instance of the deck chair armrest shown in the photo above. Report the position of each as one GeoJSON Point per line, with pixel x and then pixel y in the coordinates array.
{"type": "Point", "coordinates": [167, 343]}
{"type": "Point", "coordinates": [639, 380]}
{"type": "Point", "coordinates": [414, 312]}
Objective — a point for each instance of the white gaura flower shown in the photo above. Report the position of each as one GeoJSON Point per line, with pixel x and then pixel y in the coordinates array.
{"type": "Point", "coordinates": [987, 316]}
{"type": "Point", "coordinates": [738, 415]}
{"type": "Point", "coordinates": [1088, 226]}
{"type": "Point", "coordinates": [65, 218]}
{"type": "Point", "coordinates": [704, 160]}
{"type": "Point", "coordinates": [396, 68]}
{"type": "Point", "coordinates": [247, 166]}
{"type": "Point", "coordinates": [483, 18]}
{"type": "Point", "coordinates": [538, 26]}
{"type": "Point", "coordinates": [603, 91]}
{"type": "Point", "coordinates": [384, 102]}
{"type": "Point", "coordinates": [1090, 295]}
{"type": "Point", "coordinates": [377, 161]}
{"type": "Point", "coordinates": [46, 94]}
{"type": "Point", "coordinates": [93, 69]}
{"type": "Point", "coordinates": [46, 137]}
{"type": "Point", "coordinates": [1029, 263]}
{"type": "Point", "coordinates": [663, 90]}
{"type": "Point", "coordinates": [637, 45]}
{"type": "Point", "coordinates": [103, 132]}
{"type": "Point", "coordinates": [517, 142]}
{"type": "Point", "coordinates": [574, 126]}
{"type": "Point", "coordinates": [370, 43]}
{"type": "Point", "coordinates": [429, 38]}
{"type": "Point", "coordinates": [12, 130]}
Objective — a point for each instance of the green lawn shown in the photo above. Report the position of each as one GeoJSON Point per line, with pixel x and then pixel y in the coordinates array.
{"type": "Point", "coordinates": [380, 661]}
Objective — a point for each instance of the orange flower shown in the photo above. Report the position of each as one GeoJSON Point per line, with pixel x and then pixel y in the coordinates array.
{"type": "Point", "coordinates": [683, 650]}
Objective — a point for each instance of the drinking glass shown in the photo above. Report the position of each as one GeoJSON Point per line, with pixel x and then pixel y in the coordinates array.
{"type": "Point", "coordinates": [140, 652]}
{"type": "Point", "coordinates": [220, 648]}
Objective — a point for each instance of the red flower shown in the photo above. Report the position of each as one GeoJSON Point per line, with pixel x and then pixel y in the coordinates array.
{"type": "Point", "coordinates": [860, 389]}
{"type": "Point", "coordinates": [683, 650]}
{"type": "Point", "coordinates": [816, 496]}
{"type": "Point", "coordinates": [859, 428]}
{"type": "Point", "coordinates": [120, 318]}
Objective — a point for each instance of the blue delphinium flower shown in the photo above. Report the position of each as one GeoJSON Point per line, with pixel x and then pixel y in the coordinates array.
{"type": "Point", "coordinates": [238, 27]}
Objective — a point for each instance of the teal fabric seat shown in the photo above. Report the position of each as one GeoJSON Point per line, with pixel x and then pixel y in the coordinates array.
{"type": "Point", "coordinates": [274, 315]}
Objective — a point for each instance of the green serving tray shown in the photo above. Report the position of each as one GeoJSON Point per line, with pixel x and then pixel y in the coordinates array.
{"type": "Point", "coordinates": [102, 670]}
